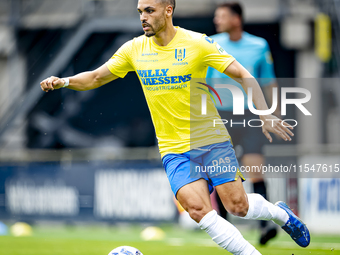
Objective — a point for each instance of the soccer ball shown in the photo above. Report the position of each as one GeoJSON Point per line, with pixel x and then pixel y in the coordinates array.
{"type": "Point", "coordinates": [125, 250]}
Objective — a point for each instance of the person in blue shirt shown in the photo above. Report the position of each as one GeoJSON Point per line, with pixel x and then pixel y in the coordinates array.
{"type": "Point", "coordinates": [254, 54]}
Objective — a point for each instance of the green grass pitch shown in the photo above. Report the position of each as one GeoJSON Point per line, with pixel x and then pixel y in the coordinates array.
{"type": "Point", "coordinates": [100, 240]}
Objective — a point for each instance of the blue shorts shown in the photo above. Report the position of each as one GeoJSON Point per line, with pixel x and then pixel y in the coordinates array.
{"type": "Point", "coordinates": [215, 163]}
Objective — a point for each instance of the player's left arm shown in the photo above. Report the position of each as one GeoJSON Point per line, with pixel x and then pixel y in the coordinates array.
{"type": "Point", "coordinates": [271, 123]}
{"type": "Point", "coordinates": [268, 93]}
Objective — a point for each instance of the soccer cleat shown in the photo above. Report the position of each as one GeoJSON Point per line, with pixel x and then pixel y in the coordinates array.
{"type": "Point", "coordinates": [295, 227]}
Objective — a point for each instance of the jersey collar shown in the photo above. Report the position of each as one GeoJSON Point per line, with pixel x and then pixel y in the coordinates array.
{"type": "Point", "coordinates": [173, 41]}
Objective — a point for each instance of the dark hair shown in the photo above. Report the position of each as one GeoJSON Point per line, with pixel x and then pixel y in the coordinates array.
{"type": "Point", "coordinates": [172, 3]}
{"type": "Point", "coordinates": [235, 8]}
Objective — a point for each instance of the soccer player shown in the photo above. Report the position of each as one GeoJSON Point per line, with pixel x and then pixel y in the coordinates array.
{"type": "Point", "coordinates": [166, 58]}
{"type": "Point", "coordinates": [253, 53]}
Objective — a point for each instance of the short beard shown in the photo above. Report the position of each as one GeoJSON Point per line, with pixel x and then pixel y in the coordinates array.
{"type": "Point", "coordinates": [155, 28]}
{"type": "Point", "coordinates": [150, 34]}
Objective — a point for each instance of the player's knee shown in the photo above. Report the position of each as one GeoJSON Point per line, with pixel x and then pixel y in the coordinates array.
{"type": "Point", "coordinates": [197, 212]}
{"type": "Point", "coordinates": [239, 207]}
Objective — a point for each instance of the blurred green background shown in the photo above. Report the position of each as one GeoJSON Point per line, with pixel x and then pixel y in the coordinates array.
{"type": "Point", "coordinates": [97, 239]}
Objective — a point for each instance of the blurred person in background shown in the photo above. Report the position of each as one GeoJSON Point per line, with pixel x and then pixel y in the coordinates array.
{"type": "Point", "coordinates": [165, 59]}
{"type": "Point", "coordinates": [254, 54]}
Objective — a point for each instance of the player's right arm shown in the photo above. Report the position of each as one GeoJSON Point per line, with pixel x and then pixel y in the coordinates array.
{"type": "Point", "coordinates": [117, 67]}
{"type": "Point", "coordinates": [81, 82]}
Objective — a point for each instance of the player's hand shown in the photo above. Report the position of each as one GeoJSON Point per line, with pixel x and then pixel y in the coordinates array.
{"type": "Point", "coordinates": [52, 83]}
{"type": "Point", "coordinates": [275, 125]}
{"type": "Point", "coordinates": [277, 113]}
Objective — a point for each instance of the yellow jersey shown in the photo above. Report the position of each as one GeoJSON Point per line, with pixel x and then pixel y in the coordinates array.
{"type": "Point", "coordinates": [170, 77]}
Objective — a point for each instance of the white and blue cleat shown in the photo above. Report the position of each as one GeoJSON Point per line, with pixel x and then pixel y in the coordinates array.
{"type": "Point", "coordinates": [295, 227]}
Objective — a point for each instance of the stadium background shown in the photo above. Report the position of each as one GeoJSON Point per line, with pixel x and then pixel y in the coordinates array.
{"type": "Point", "coordinates": [90, 157]}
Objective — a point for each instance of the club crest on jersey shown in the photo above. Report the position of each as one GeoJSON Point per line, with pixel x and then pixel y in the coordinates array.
{"type": "Point", "coordinates": [180, 54]}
